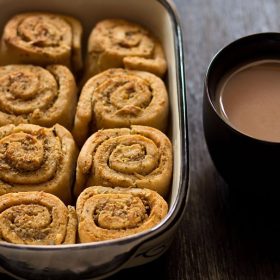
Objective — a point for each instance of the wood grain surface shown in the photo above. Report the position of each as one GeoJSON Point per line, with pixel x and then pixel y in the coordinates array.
{"type": "Point", "coordinates": [220, 238]}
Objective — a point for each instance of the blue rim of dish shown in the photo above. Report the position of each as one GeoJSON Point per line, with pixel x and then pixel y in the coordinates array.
{"type": "Point", "coordinates": [176, 212]}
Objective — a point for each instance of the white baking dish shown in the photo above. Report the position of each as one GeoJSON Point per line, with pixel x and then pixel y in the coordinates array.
{"type": "Point", "coordinates": [97, 260]}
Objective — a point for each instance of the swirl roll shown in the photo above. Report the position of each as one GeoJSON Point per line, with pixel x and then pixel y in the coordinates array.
{"type": "Point", "coordinates": [42, 39]}
{"type": "Point", "coordinates": [139, 156]}
{"type": "Point", "coordinates": [117, 43]}
{"type": "Point", "coordinates": [105, 213]}
{"type": "Point", "coordinates": [120, 98]}
{"type": "Point", "coordinates": [32, 94]}
{"type": "Point", "coordinates": [34, 158]}
{"type": "Point", "coordinates": [36, 218]}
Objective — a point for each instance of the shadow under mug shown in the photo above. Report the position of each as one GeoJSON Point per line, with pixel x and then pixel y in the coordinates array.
{"type": "Point", "coordinates": [243, 161]}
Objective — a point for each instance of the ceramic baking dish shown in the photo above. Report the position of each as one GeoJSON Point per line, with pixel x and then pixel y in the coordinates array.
{"type": "Point", "coordinates": [97, 260]}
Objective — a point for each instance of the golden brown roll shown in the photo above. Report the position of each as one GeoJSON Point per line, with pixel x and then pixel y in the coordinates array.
{"type": "Point", "coordinates": [36, 218]}
{"type": "Point", "coordinates": [32, 94]}
{"type": "Point", "coordinates": [106, 213]}
{"type": "Point", "coordinates": [34, 158]}
{"type": "Point", "coordinates": [42, 39]}
{"type": "Point", "coordinates": [120, 98]}
{"type": "Point", "coordinates": [119, 43]}
{"type": "Point", "coordinates": [137, 157]}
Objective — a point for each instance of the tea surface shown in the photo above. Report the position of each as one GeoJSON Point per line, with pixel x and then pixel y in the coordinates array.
{"type": "Point", "coordinates": [249, 99]}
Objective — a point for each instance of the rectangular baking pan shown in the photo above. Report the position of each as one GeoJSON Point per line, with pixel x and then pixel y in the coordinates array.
{"type": "Point", "coordinates": [97, 260]}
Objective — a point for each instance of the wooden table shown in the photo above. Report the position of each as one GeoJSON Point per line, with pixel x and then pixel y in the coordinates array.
{"type": "Point", "coordinates": [216, 240]}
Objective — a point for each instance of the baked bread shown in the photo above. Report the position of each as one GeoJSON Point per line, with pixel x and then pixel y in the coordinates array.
{"type": "Point", "coordinates": [120, 98]}
{"type": "Point", "coordinates": [36, 218]}
{"type": "Point", "coordinates": [117, 43]}
{"type": "Point", "coordinates": [32, 94]}
{"type": "Point", "coordinates": [106, 213]}
{"type": "Point", "coordinates": [139, 156]}
{"type": "Point", "coordinates": [42, 39]}
{"type": "Point", "coordinates": [35, 158]}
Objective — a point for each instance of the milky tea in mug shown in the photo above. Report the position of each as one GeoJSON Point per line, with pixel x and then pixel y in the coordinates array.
{"type": "Point", "coordinates": [248, 99]}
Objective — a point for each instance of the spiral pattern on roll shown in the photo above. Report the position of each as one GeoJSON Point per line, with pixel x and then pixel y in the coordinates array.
{"type": "Point", "coordinates": [36, 218]}
{"type": "Point", "coordinates": [34, 158]}
{"type": "Point", "coordinates": [137, 157]}
{"type": "Point", "coordinates": [32, 94]}
{"type": "Point", "coordinates": [105, 213]}
{"type": "Point", "coordinates": [119, 43]}
{"type": "Point", "coordinates": [42, 39]}
{"type": "Point", "coordinates": [120, 98]}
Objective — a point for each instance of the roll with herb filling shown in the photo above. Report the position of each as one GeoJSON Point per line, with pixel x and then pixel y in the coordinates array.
{"type": "Point", "coordinates": [106, 213]}
{"type": "Point", "coordinates": [36, 218]}
{"type": "Point", "coordinates": [36, 95]}
{"type": "Point", "coordinates": [120, 98]}
{"type": "Point", "coordinates": [35, 158]}
{"type": "Point", "coordinates": [117, 43]}
{"type": "Point", "coordinates": [139, 156]}
{"type": "Point", "coordinates": [42, 39]}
